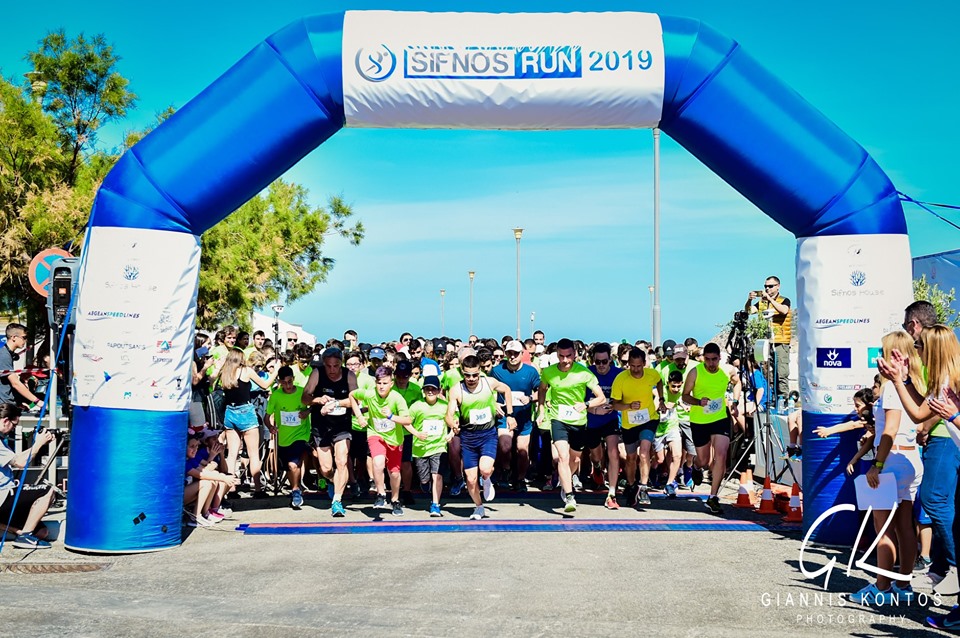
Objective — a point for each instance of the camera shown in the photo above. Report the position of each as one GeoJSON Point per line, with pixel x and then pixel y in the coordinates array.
{"type": "Point", "coordinates": [740, 318]}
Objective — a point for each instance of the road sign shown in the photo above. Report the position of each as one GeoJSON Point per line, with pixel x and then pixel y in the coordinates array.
{"type": "Point", "coordinates": [40, 269]}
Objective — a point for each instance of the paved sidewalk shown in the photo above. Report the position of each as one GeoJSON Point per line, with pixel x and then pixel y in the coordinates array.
{"type": "Point", "coordinates": [221, 582]}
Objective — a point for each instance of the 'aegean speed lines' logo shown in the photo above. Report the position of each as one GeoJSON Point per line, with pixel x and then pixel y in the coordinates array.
{"type": "Point", "coordinates": [376, 64]}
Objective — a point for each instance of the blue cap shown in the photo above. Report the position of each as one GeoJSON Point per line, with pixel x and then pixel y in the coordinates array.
{"type": "Point", "coordinates": [377, 353]}
{"type": "Point", "coordinates": [431, 382]}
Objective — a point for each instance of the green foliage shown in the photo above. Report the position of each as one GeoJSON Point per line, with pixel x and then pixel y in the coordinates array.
{"type": "Point", "coordinates": [758, 327]}
{"type": "Point", "coordinates": [942, 301]}
{"type": "Point", "coordinates": [77, 81]}
{"type": "Point", "coordinates": [269, 250]}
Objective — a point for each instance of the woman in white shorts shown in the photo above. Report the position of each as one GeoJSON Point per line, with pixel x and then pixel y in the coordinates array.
{"type": "Point", "coordinates": [896, 453]}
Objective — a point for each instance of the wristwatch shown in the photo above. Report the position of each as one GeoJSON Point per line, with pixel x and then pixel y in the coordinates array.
{"type": "Point", "coordinates": [878, 465]}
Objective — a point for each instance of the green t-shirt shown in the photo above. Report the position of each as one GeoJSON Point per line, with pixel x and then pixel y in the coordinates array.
{"type": "Point", "coordinates": [218, 354]}
{"type": "Point", "coordinates": [364, 382]}
{"type": "Point", "coordinates": [672, 418]}
{"type": "Point", "coordinates": [430, 419]}
{"type": "Point", "coordinates": [565, 389]}
{"type": "Point", "coordinates": [300, 377]}
{"type": "Point", "coordinates": [411, 394]}
{"type": "Point", "coordinates": [285, 409]}
{"type": "Point", "coordinates": [450, 378]}
{"type": "Point", "coordinates": [378, 409]}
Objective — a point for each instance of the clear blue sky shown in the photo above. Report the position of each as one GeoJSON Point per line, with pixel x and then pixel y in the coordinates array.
{"type": "Point", "coordinates": [881, 70]}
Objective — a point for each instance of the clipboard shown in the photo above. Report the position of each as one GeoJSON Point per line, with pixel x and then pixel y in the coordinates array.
{"type": "Point", "coordinates": [884, 497]}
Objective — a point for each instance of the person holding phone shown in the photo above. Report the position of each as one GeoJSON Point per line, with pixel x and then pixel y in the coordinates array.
{"type": "Point", "coordinates": [776, 308]}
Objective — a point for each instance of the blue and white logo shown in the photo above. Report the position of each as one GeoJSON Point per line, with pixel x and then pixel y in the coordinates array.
{"type": "Point", "coordinates": [130, 273]}
{"type": "Point", "coordinates": [858, 278]}
{"type": "Point", "coordinates": [872, 355]}
{"type": "Point", "coordinates": [376, 65]}
{"type": "Point", "coordinates": [833, 357]}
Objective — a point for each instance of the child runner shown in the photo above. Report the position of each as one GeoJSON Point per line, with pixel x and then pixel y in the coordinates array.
{"type": "Point", "coordinates": [430, 437]}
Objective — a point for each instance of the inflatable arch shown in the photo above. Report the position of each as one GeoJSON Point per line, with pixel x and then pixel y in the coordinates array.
{"type": "Point", "coordinates": [137, 301]}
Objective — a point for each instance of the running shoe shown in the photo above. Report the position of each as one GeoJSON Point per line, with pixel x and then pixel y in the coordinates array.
{"type": "Point", "coordinates": [479, 513]}
{"type": "Point", "coordinates": [337, 510]}
{"type": "Point", "coordinates": [870, 595]}
{"type": "Point", "coordinates": [354, 489]}
{"type": "Point", "coordinates": [577, 484]}
{"type": "Point", "coordinates": [949, 586]}
{"type": "Point", "coordinates": [397, 509]}
{"type": "Point", "coordinates": [927, 581]}
{"type": "Point", "coordinates": [406, 497]}
{"type": "Point", "coordinates": [457, 487]}
{"type": "Point", "coordinates": [571, 505]}
{"type": "Point", "coordinates": [435, 510]}
{"type": "Point", "coordinates": [520, 486]}
{"type": "Point", "coordinates": [489, 492]}
{"type": "Point", "coordinates": [950, 622]}
{"type": "Point", "coordinates": [381, 502]}
{"type": "Point", "coordinates": [921, 565]}
{"type": "Point", "coordinates": [622, 484]}
{"type": "Point", "coordinates": [597, 477]}
{"type": "Point", "coordinates": [632, 492]}
{"type": "Point", "coordinates": [697, 476]}
{"type": "Point", "coordinates": [216, 517]}
{"type": "Point", "coordinates": [672, 489]}
{"type": "Point", "coordinates": [223, 509]}
{"type": "Point", "coordinates": [296, 499]}
{"type": "Point", "coordinates": [902, 595]}
{"type": "Point", "coordinates": [713, 504]}
{"type": "Point", "coordinates": [29, 541]}
{"type": "Point", "coordinates": [689, 484]}
{"type": "Point", "coordinates": [192, 521]}
{"type": "Point", "coordinates": [611, 502]}
{"type": "Point", "coordinates": [644, 497]}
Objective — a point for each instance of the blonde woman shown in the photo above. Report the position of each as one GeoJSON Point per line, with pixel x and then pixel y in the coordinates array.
{"type": "Point", "coordinates": [240, 419]}
{"type": "Point", "coordinates": [896, 453]}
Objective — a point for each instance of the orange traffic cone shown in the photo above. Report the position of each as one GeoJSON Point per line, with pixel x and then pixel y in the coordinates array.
{"type": "Point", "coordinates": [766, 500]}
{"type": "Point", "coordinates": [744, 498]}
{"type": "Point", "coordinates": [795, 513]}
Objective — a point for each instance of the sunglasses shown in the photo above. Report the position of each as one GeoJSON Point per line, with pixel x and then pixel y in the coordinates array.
{"type": "Point", "coordinates": [472, 376]}
{"type": "Point", "coordinates": [769, 285]}
{"type": "Point", "coordinates": [602, 362]}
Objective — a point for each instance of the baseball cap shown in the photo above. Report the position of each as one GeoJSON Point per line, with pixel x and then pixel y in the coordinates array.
{"type": "Point", "coordinates": [466, 352]}
{"type": "Point", "coordinates": [513, 346]}
{"type": "Point", "coordinates": [539, 349]}
{"type": "Point", "coordinates": [404, 368]}
{"type": "Point", "coordinates": [679, 351]}
{"type": "Point", "coordinates": [332, 352]}
{"type": "Point", "coordinates": [439, 347]}
{"type": "Point", "coordinates": [431, 382]}
{"type": "Point", "coordinates": [377, 353]}
{"type": "Point", "coordinates": [668, 347]}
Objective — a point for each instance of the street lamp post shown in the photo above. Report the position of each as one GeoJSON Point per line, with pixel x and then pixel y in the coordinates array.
{"type": "Point", "coordinates": [653, 319]}
{"type": "Point", "coordinates": [442, 293]}
{"type": "Point", "coordinates": [655, 305]}
{"type": "Point", "coordinates": [472, 273]}
{"type": "Point", "coordinates": [277, 309]}
{"type": "Point", "coordinates": [517, 233]}
{"type": "Point", "coordinates": [533, 315]}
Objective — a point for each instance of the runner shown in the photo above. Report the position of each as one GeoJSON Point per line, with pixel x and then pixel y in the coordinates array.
{"type": "Point", "coordinates": [565, 384]}
{"type": "Point", "coordinates": [471, 410]}
{"type": "Point", "coordinates": [387, 412]}
{"type": "Point", "coordinates": [430, 439]}
{"type": "Point", "coordinates": [411, 393]}
{"type": "Point", "coordinates": [603, 426]}
{"type": "Point", "coordinates": [359, 458]}
{"type": "Point", "coordinates": [523, 381]}
{"type": "Point", "coordinates": [290, 422]}
{"type": "Point", "coordinates": [692, 475]}
{"type": "Point", "coordinates": [705, 392]}
{"type": "Point", "coordinates": [328, 394]}
{"type": "Point", "coordinates": [668, 441]}
{"type": "Point", "coordinates": [632, 394]}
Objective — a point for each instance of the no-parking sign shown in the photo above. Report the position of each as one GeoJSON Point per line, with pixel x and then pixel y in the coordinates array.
{"type": "Point", "coordinates": [41, 268]}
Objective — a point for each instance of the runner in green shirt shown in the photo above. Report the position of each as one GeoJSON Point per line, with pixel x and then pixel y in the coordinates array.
{"type": "Point", "coordinates": [289, 421]}
{"type": "Point", "coordinates": [411, 393]}
{"type": "Point", "coordinates": [668, 440]}
{"type": "Point", "coordinates": [431, 436]}
{"type": "Point", "coordinates": [387, 412]}
{"type": "Point", "coordinates": [565, 384]}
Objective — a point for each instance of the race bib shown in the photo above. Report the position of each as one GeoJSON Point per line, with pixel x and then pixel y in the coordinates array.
{"type": "Point", "coordinates": [518, 400]}
{"type": "Point", "coordinates": [433, 427]}
{"type": "Point", "coordinates": [384, 425]}
{"type": "Point", "coordinates": [481, 416]}
{"type": "Point", "coordinates": [290, 419]}
{"type": "Point", "coordinates": [338, 410]}
{"type": "Point", "coordinates": [568, 413]}
{"type": "Point", "coordinates": [638, 417]}
{"type": "Point", "coordinates": [713, 407]}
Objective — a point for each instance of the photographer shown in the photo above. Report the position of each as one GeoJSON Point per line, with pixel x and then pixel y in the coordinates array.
{"type": "Point", "coordinates": [12, 388]}
{"type": "Point", "coordinates": [776, 309]}
{"type": "Point", "coordinates": [34, 500]}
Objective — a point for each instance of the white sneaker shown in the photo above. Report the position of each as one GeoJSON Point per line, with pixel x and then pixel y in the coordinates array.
{"type": "Point", "coordinates": [926, 582]}
{"type": "Point", "coordinates": [478, 514]}
{"type": "Point", "coordinates": [488, 490]}
{"type": "Point", "coordinates": [571, 504]}
{"type": "Point", "coordinates": [949, 586]}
